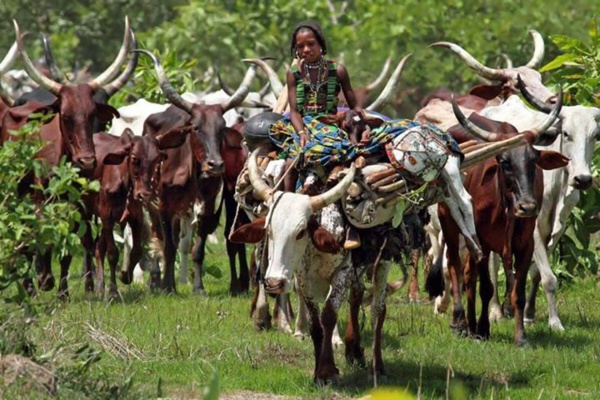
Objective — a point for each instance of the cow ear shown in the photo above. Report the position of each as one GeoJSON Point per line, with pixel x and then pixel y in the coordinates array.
{"type": "Point", "coordinates": [486, 92]}
{"type": "Point", "coordinates": [253, 232]}
{"type": "Point", "coordinates": [106, 112]}
{"type": "Point", "coordinates": [233, 138]}
{"type": "Point", "coordinates": [549, 159]}
{"type": "Point", "coordinates": [546, 138]}
{"type": "Point", "coordinates": [118, 155]}
{"type": "Point", "coordinates": [127, 136]}
{"type": "Point", "coordinates": [374, 122]}
{"type": "Point", "coordinates": [323, 239]}
{"type": "Point", "coordinates": [489, 174]}
{"type": "Point", "coordinates": [173, 138]}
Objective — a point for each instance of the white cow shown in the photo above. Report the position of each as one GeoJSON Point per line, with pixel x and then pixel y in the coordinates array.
{"type": "Point", "coordinates": [299, 246]}
{"type": "Point", "coordinates": [577, 140]}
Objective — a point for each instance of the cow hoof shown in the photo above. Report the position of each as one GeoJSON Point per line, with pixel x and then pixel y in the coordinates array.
{"type": "Point", "coordinates": [495, 314]}
{"type": "Point", "coordinates": [46, 283]}
{"type": "Point", "coordinates": [357, 359]}
{"type": "Point", "coordinates": [200, 292]}
{"type": "Point", "coordinates": [299, 335]}
{"type": "Point", "coordinates": [555, 324]}
{"type": "Point", "coordinates": [63, 295]}
{"type": "Point", "coordinates": [522, 343]}
{"type": "Point", "coordinates": [332, 380]}
{"type": "Point", "coordinates": [380, 377]}
{"type": "Point", "coordinates": [262, 325]}
{"type": "Point", "coordinates": [126, 277]}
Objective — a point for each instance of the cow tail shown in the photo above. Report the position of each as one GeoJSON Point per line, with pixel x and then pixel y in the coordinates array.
{"type": "Point", "coordinates": [434, 284]}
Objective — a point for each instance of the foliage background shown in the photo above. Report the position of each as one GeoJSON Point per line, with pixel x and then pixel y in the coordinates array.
{"type": "Point", "coordinates": [361, 33]}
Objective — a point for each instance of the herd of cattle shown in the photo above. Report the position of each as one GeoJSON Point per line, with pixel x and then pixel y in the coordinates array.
{"type": "Point", "coordinates": [166, 170]}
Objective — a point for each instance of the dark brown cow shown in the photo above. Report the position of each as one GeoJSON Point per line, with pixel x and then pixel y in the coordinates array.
{"type": "Point", "coordinates": [69, 132]}
{"type": "Point", "coordinates": [506, 194]}
{"type": "Point", "coordinates": [126, 187]}
{"type": "Point", "coordinates": [191, 173]}
{"type": "Point", "coordinates": [234, 156]}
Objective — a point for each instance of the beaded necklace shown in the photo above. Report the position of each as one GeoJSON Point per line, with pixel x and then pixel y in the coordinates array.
{"type": "Point", "coordinates": [315, 87]}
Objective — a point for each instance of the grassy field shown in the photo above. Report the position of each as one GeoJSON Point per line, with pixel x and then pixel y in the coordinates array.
{"type": "Point", "coordinates": [170, 346]}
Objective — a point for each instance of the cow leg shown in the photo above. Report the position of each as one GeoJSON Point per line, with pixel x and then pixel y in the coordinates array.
{"type": "Point", "coordinates": [44, 269]}
{"type": "Point", "coordinates": [541, 270]}
{"type": "Point", "coordinates": [354, 352]}
{"type": "Point", "coordinates": [470, 282]}
{"type": "Point", "coordinates": [316, 334]}
{"type": "Point", "coordinates": [198, 256]}
{"type": "Point", "coordinates": [495, 308]}
{"type": "Point", "coordinates": [100, 254]}
{"type": "Point", "coordinates": [113, 261]}
{"type": "Point", "coordinates": [485, 294]}
{"type": "Point", "coordinates": [137, 251]}
{"type": "Point", "coordinates": [518, 298]}
{"type": "Point", "coordinates": [170, 246]}
{"type": "Point", "coordinates": [378, 311]}
{"type": "Point", "coordinates": [63, 284]}
{"type": "Point", "coordinates": [234, 283]}
{"type": "Point", "coordinates": [185, 244]}
{"type": "Point", "coordinates": [441, 303]}
{"type": "Point", "coordinates": [459, 323]}
{"type": "Point", "coordinates": [260, 310]}
{"type": "Point", "coordinates": [460, 205]}
{"type": "Point", "coordinates": [88, 258]}
{"type": "Point", "coordinates": [413, 285]}
{"type": "Point", "coordinates": [282, 312]}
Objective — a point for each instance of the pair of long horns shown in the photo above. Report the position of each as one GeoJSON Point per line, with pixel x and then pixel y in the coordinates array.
{"type": "Point", "coordinates": [175, 98]}
{"type": "Point", "coordinates": [317, 202]}
{"type": "Point", "coordinates": [381, 100]}
{"type": "Point", "coordinates": [100, 81]}
{"type": "Point", "coordinates": [489, 136]}
{"type": "Point", "coordinates": [498, 74]}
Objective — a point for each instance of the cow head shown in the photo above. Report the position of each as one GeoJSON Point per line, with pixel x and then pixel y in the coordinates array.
{"type": "Point", "coordinates": [291, 227]}
{"type": "Point", "coordinates": [75, 104]}
{"type": "Point", "coordinates": [579, 132]}
{"type": "Point", "coordinates": [515, 168]}
{"type": "Point", "coordinates": [145, 156]}
{"type": "Point", "coordinates": [206, 121]}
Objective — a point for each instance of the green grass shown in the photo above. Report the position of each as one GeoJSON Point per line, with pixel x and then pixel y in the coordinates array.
{"type": "Point", "coordinates": [175, 342]}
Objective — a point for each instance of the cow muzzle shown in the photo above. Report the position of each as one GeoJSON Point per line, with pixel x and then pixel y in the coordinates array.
{"type": "Point", "coordinates": [526, 209]}
{"type": "Point", "coordinates": [86, 163]}
{"type": "Point", "coordinates": [213, 168]}
{"type": "Point", "coordinates": [582, 182]}
{"type": "Point", "coordinates": [274, 286]}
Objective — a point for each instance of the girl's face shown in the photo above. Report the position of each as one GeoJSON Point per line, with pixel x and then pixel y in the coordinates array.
{"type": "Point", "coordinates": [307, 46]}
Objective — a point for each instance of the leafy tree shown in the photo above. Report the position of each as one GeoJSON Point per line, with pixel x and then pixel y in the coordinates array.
{"type": "Point", "coordinates": [577, 69]}
{"type": "Point", "coordinates": [24, 225]}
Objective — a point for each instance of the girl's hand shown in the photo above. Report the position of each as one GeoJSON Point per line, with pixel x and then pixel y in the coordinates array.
{"type": "Point", "coordinates": [304, 139]}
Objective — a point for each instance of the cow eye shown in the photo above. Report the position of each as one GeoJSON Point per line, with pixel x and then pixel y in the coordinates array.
{"type": "Point", "coordinates": [136, 161]}
{"type": "Point", "coordinates": [597, 134]}
{"type": "Point", "coordinates": [565, 134]}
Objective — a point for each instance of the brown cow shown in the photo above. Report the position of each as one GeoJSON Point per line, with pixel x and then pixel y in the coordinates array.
{"type": "Point", "coordinates": [126, 187]}
{"type": "Point", "coordinates": [69, 132]}
{"type": "Point", "coordinates": [192, 172]}
{"type": "Point", "coordinates": [506, 194]}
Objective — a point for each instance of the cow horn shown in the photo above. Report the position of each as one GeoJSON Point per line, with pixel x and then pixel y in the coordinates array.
{"type": "Point", "coordinates": [9, 59]}
{"type": "Point", "coordinates": [534, 101]}
{"type": "Point", "coordinates": [240, 94]}
{"type": "Point", "coordinates": [225, 87]}
{"type": "Point", "coordinates": [166, 87]}
{"type": "Point", "coordinates": [114, 68]}
{"type": "Point", "coordinates": [390, 86]}
{"type": "Point", "coordinates": [276, 85]}
{"type": "Point", "coordinates": [122, 79]}
{"type": "Point", "coordinates": [264, 90]}
{"type": "Point", "coordinates": [31, 70]}
{"type": "Point", "coordinates": [260, 187]}
{"type": "Point", "coordinates": [55, 73]}
{"type": "Point", "coordinates": [381, 77]}
{"type": "Point", "coordinates": [509, 63]}
{"type": "Point", "coordinates": [551, 118]}
{"type": "Point", "coordinates": [487, 72]}
{"type": "Point", "coordinates": [478, 132]}
{"type": "Point", "coordinates": [335, 193]}
{"type": "Point", "coordinates": [538, 49]}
